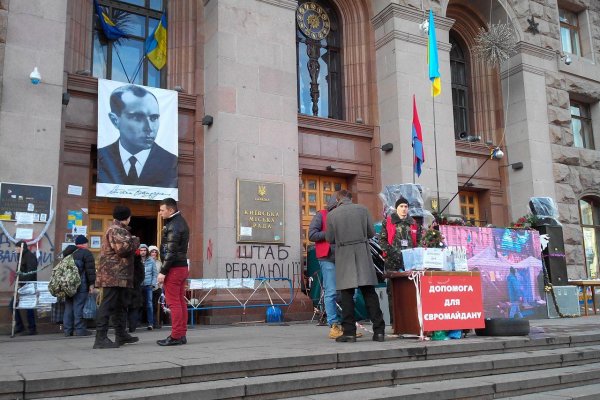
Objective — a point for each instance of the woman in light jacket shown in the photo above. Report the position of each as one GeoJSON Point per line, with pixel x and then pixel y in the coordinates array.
{"type": "Point", "coordinates": [150, 275]}
{"type": "Point", "coordinates": [159, 317]}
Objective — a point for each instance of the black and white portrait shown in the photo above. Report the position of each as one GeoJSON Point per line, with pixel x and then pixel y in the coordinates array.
{"type": "Point", "coordinates": [137, 141]}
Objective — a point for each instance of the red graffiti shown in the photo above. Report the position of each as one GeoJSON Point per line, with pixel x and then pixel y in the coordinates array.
{"type": "Point", "coordinates": [209, 251]}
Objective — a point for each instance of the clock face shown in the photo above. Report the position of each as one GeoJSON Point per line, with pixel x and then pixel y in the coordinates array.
{"type": "Point", "coordinates": [313, 21]}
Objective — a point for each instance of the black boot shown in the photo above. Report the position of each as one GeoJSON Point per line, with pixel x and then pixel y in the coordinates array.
{"type": "Point", "coordinates": [125, 338]}
{"type": "Point", "coordinates": [103, 342]}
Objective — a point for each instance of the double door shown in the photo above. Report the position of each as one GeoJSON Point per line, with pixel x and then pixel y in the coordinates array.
{"type": "Point", "coordinates": [316, 192]}
{"type": "Point", "coordinates": [148, 229]}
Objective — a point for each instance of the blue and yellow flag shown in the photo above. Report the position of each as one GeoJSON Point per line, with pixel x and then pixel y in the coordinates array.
{"type": "Point", "coordinates": [432, 59]}
{"type": "Point", "coordinates": [108, 26]}
{"type": "Point", "coordinates": [156, 44]}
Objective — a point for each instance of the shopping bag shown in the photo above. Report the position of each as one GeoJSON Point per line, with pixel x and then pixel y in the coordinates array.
{"type": "Point", "coordinates": [89, 309]}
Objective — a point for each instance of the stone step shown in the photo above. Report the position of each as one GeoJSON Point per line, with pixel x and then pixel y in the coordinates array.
{"type": "Point", "coordinates": [381, 376]}
{"type": "Point", "coordinates": [558, 384]}
{"type": "Point", "coordinates": [587, 392]}
{"type": "Point", "coordinates": [125, 377]}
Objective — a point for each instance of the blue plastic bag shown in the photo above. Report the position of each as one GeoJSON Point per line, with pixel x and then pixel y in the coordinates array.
{"type": "Point", "coordinates": [274, 314]}
{"type": "Point", "coordinates": [90, 308]}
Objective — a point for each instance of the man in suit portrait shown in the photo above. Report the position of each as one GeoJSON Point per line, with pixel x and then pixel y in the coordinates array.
{"type": "Point", "coordinates": [135, 158]}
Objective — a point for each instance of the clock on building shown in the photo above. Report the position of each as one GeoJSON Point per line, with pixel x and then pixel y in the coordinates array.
{"type": "Point", "coordinates": [313, 20]}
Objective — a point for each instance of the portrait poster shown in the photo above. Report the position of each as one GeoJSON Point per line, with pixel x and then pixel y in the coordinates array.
{"type": "Point", "coordinates": [510, 264]}
{"type": "Point", "coordinates": [137, 141]}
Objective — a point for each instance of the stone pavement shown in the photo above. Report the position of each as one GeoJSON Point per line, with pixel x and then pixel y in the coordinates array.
{"type": "Point", "coordinates": [209, 344]}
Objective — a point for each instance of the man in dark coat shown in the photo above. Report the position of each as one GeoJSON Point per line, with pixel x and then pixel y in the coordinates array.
{"type": "Point", "coordinates": [115, 276]}
{"type": "Point", "coordinates": [174, 270]}
{"type": "Point", "coordinates": [73, 321]}
{"type": "Point", "coordinates": [135, 159]}
{"type": "Point", "coordinates": [350, 226]}
{"type": "Point", "coordinates": [28, 273]}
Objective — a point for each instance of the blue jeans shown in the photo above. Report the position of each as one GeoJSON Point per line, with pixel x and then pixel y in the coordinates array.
{"type": "Point", "coordinates": [73, 317]}
{"type": "Point", "coordinates": [149, 305]}
{"type": "Point", "coordinates": [329, 297]}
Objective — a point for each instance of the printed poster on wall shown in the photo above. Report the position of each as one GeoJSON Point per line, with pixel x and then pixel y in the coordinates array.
{"type": "Point", "coordinates": [23, 198]}
{"type": "Point", "coordinates": [137, 141]}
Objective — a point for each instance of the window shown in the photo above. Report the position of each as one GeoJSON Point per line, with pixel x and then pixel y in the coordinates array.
{"type": "Point", "coordinates": [589, 210]}
{"type": "Point", "coordinates": [124, 60]}
{"type": "Point", "coordinates": [581, 125]}
{"type": "Point", "coordinates": [319, 62]}
{"type": "Point", "coordinates": [569, 31]}
{"type": "Point", "coordinates": [460, 90]}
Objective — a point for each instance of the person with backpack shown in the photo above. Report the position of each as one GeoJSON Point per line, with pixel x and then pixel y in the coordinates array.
{"type": "Point", "coordinates": [114, 276]}
{"type": "Point", "coordinates": [73, 321]}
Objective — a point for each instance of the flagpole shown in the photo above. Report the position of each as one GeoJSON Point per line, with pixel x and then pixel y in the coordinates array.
{"type": "Point", "coordinates": [413, 160]}
{"type": "Point", "coordinates": [437, 177]}
{"type": "Point", "coordinates": [121, 62]}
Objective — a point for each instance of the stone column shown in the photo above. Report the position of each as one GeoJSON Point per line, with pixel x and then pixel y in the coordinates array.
{"type": "Point", "coordinates": [401, 51]}
{"type": "Point", "coordinates": [250, 90]}
{"type": "Point", "coordinates": [526, 134]}
{"type": "Point", "coordinates": [30, 115]}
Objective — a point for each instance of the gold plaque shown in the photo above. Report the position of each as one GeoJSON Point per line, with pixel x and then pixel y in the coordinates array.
{"type": "Point", "coordinates": [260, 212]}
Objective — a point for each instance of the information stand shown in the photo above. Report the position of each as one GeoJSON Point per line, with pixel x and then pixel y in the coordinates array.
{"type": "Point", "coordinates": [435, 300]}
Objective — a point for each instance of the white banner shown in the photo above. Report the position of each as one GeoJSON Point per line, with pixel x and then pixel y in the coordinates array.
{"type": "Point", "coordinates": [137, 141]}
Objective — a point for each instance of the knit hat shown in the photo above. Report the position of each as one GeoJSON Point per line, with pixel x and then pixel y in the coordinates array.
{"type": "Point", "coordinates": [152, 248]}
{"type": "Point", "coordinates": [121, 213]}
{"type": "Point", "coordinates": [401, 200]}
{"type": "Point", "coordinates": [80, 240]}
{"type": "Point", "coordinates": [143, 246]}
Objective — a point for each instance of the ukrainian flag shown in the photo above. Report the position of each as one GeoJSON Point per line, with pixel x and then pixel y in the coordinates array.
{"type": "Point", "coordinates": [108, 26]}
{"type": "Point", "coordinates": [432, 59]}
{"type": "Point", "coordinates": [156, 44]}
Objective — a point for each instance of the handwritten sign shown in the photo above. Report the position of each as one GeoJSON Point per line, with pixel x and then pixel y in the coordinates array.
{"type": "Point", "coordinates": [433, 258]}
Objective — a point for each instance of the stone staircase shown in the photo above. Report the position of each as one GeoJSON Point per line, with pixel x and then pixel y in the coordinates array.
{"type": "Point", "coordinates": [559, 366]}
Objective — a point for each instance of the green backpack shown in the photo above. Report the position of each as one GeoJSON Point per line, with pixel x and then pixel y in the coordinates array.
{"type": "Point", "coordinates": [65, 278]}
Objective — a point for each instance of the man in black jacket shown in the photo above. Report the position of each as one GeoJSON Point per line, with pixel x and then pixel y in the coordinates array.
{"type": "Point", "coordinates": [28, 273]}
{"type": "Point", "coordinates": [174, 271]}
{"type": "Point", "coordinates": [73, 320]}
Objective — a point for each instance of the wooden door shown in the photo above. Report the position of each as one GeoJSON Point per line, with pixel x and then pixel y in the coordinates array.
{"type": "Point", "coordinates": [469, 207]}
{"type": "Point", "coordinates": [98, 225]}
{"type": "Point", "coordinates": [159, 228]}
{"type": "Point", "coordinates": [316, 191]}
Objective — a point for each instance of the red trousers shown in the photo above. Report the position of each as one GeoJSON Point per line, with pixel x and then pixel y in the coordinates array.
{"type": "Point", "coordinates": [175, 297]}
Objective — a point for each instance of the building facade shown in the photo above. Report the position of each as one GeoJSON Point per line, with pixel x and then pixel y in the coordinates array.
{"type": "Point", "coordinates": [311, 111]}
